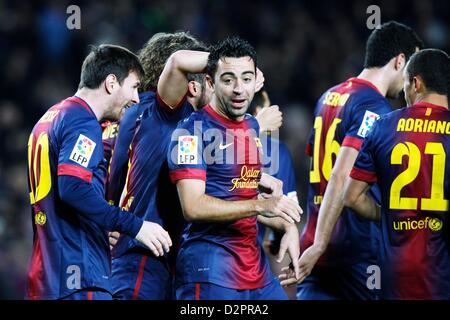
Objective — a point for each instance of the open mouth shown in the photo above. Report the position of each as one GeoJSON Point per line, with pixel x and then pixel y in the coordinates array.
{"type": "Point", "coordinates": [238, 103]}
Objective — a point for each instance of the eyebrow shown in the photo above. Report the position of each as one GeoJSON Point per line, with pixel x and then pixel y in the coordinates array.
{"type": "Point", "coordinates": [234, 75]}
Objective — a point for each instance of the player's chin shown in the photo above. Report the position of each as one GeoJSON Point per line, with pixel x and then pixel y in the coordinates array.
{"type": "Point", "coordinates": [238, 110]}
{"type": "Point", "coordinates": [114, 115]}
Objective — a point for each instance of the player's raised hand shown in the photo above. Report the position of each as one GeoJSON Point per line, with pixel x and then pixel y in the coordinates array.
{"type": "Point", "coordinates": [282, 207]}
{"type": "Point", "coordinates": [270, 118]}
{"type": "Point", "coordinates": [259, 80]}
{"type": "Point", "coordinates": [113, 238]}
{"type": "Point", "coordinates": [154, 237]}
{"type": "Point", "coordinates": [306, 263]}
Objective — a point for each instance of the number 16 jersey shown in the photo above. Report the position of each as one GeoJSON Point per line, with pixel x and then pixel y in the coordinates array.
{"type": "Point", "coordinates": [344, 114]}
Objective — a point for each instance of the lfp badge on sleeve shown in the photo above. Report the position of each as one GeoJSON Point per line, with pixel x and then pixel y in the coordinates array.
{"type": "Point", "coordinates": [187, 150]}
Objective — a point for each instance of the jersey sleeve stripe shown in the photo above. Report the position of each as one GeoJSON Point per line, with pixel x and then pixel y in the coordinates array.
{"type": "Point", "coordinates": [74, 171]}
{"type": "Point", "coordinates": [180, 174]}
{"type": "Point", "coordinates": [352, 142]}
{"type": "Point", "coordinates": [363, 175]}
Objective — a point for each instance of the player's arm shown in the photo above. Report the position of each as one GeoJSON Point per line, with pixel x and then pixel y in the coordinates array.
{"type": "Point", "coordinates": [75, 188]}
{"type": "Point", "coordinates": [333, 200]}
{"type": "Point", "coordinates": [290, 242]}
{"type": "Point", "coordinates": [198, 206]}
{"type": "Point", "coordinates": [173, 82]}
{"type": "Point", "coordinates": [81, 195]}
{"type": "Point", "coordinates": [356, 198]}
{"type": "Point", "coordinates": [330, 210]}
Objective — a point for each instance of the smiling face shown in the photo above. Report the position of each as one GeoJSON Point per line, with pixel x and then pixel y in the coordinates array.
{"type": "Point", "coordinates": [234, 86]}
{"type": "Point", "coordinates": [123, 96]}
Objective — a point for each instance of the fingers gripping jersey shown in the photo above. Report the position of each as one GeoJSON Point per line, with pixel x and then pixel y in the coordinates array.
{"type": "Point", "coordinates": [408, 153]}
{"type": "Point", "coordinates": [225, 154]}
{"type": "Point", "coordinates": [344, 114]}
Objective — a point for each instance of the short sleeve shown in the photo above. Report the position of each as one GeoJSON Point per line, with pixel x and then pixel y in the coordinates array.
{"type": "Point", "coordinates": [363, 116]}
{"type": "Point", "coordinates": [185, 154]}
{"type": "Point", "coordinates": [364, 167]}
{"type": "Point", "coordinates": [81, 149]}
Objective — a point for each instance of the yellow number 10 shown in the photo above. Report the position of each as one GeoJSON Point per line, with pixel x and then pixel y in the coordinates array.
{"type": "Point", "coordinates": [331, 147]}
{"type": "Point", "coordinates": [38, 161]}
{"type": "Point", "coordinates": [436, 202]}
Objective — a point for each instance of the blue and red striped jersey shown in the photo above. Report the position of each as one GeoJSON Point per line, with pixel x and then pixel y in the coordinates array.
{"type": "Point", "coordinates": [70, 249]}
{"type": "Point", "coordinates": [277, 161]}
{"type": "Point", "coordinates": [343, 116]}
{"type": "Point", "coordinates": [226, 155]}
{"type": "Point", "coordinates": [407, 153]}
{"type": "Point", "coordinates": [148, 163]}
{"type": "Point", "coordinates": [120, 146]}
{"type": "Point", "coordinates": [110, 130]}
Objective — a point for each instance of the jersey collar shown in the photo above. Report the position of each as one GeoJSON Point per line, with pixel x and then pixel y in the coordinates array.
{"type": "Point", "coordinates": [83, 103]}
{"type": "Point", "coordinates": [424, 104]}
{"type": "Point", "coordinates": [225, 121]}
{"type": "Point", "coordinates": [366, 83]}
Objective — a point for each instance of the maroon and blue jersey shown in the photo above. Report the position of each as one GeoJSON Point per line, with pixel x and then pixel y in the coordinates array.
{"type": "Point", "coordinates": [343, 116]}
{"type": "Point", "coordinates": [118, 164]}
{"type": "Point", "coordinates": [70, 216]}
{"type": "Point", "coordinates": [277, 162]}
{"type": "Point", "coordinates": [110, 130]}
{"type": "Point", "coordinates": [408, 154]}
{"type": "Point", "coordinates": [148, 162]}
{"type": "Point", "coordinates": [226, 155]}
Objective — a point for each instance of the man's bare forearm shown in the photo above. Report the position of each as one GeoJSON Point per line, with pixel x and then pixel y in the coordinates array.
{"type": "Point", "coordinates": [276, 223]}
{"type": "Point", "coordinates": [356, 198]}
{"type": "Point", "coordinates": [330, 211]}
{"type": "Point", "coordinates": [211, 209]}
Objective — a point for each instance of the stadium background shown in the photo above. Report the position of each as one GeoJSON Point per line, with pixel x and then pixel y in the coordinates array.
{"type": "Point", "coordinates": [303, 48]}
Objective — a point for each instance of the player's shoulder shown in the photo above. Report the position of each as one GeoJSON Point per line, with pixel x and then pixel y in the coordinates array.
{"type": "Point", "coordinates": [76, 115]}
{"type": "Point", "coordinates": [74, 108]}
{"type": "Point", "coordinates": [190, 120]}
{"type": "Point", "coordinates": [147, 102]}
{"type": "Point", "coordinates": [384, 121]}
{"type": "Point", "coordinates": [253, 122]}
{"type": "Point", "coordinates": [393, 115]}
{"type": "Point", "coordinates": [365, 92]}
{"type": "Point", "coordinates": [349, 93]}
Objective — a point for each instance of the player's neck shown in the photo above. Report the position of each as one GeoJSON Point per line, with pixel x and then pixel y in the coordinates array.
{"type": "Point", "coordinates": [433, 98]}
{"type": "Point", "coordinates": [94, 100]}
{"type": "Point", "coordinates": [377, 77]}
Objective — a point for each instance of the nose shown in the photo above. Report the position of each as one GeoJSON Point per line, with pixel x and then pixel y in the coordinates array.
{"type": "Point", "coordinates": [135, 98]}
{"type": "Point", "coordinates": [238, 88]}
